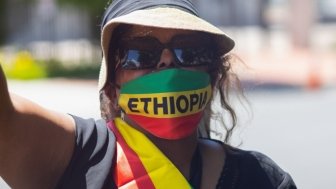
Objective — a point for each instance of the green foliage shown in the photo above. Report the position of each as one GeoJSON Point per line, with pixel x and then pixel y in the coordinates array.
{"type": "Point", "coordinates": [25, 67]}
{"type": "Point", "coordinates": [95, 7]}
{"type": "Point", "coordinates": [82, 71]}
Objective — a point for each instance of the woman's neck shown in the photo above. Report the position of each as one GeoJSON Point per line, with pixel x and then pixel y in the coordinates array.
{"type": "Point", "coordinates": [179, 152]}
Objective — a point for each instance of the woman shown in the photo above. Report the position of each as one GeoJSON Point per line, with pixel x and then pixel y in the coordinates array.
{"type": "Point", "coordinates": [161, 67]}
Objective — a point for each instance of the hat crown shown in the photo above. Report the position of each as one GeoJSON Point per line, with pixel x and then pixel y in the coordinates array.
{"type": "Point", "coordinates": [122, 7]}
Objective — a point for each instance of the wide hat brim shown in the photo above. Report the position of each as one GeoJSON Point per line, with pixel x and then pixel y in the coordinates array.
{"type": "Point", "coordinates": [161, 17]}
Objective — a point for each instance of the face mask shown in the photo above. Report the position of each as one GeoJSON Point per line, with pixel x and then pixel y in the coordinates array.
{"type": "Point", "coordinates": [168, 104]}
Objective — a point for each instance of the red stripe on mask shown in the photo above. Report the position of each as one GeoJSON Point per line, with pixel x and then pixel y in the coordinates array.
{"type": "Point", "coordinates": [169, 128]}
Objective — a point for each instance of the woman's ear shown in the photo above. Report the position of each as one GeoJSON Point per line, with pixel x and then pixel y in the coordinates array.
{"type": "Point", "coordinates": [109, 102]}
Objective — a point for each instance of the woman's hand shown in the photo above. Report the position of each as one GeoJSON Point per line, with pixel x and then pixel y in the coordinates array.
{"type": "Point", "coordinates": [36, 144]}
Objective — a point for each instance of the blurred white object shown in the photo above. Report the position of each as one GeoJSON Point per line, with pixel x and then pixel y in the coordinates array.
{"type": "Point", "coordinates": [3, 184]}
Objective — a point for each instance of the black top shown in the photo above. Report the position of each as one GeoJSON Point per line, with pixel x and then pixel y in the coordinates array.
{"type": "Point", "coordinates": [94, 150]}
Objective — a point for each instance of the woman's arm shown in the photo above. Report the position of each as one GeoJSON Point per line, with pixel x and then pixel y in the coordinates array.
{"type": "Point", "coordinates": [36, 144]}
{"type": "Point", "coordinates": [6, 107]}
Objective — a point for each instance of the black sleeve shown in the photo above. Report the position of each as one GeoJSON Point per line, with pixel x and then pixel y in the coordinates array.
{"type": "Point", "coordinates": [91, 161]}
{"type": "Point", "coordinates": [249, 169]}
{"type": "Point", "coordinates": [278, 177]}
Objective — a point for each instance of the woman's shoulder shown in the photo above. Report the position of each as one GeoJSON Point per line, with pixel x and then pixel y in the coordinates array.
{"type": "Point", "coordinates": [92, 158]}
{"type": "Point", "coordinates": [276, 174]}
{"type": "Point", "coordinates": [244, 169]}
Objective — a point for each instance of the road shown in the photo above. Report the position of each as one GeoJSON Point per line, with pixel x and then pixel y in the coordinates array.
{"type": "Point", "coordinates": [295, 127]}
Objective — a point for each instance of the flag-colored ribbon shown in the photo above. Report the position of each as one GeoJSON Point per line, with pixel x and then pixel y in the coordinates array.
{"type": "Point", "coordinates": [140, 164]}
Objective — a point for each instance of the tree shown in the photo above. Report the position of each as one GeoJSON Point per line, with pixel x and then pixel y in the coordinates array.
{"type": "Point", "coordinates": [2, 21]}
{"type": "Point", "coordinates": [94, 7]}
{"type": "Point", "coordinates": [4, 5]}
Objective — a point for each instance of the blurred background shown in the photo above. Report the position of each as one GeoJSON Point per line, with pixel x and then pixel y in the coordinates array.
{"type": "Point", "coordinates": [50, 52]}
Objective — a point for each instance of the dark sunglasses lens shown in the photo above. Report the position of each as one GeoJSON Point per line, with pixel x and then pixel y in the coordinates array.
{"type": "Point", "coordinates": [136, 59]}
{"type": "Point", "coordinates": [194, 56]}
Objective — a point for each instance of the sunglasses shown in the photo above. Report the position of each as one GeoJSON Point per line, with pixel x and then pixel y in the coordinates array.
{"type": "Point", "coordinates": [145, 52]}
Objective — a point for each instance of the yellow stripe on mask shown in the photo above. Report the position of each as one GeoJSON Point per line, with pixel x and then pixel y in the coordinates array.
{"type": "Point", "coordinates": [160, 169]}
{"type": "Point", "coordinates": [166, 105]}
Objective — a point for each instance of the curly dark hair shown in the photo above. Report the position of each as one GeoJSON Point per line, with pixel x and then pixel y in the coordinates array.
{"type": "Point", "coordinates": [223, 80]}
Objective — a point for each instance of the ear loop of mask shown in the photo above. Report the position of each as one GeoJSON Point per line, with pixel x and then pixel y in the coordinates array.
{"type": "Point", "coordinates": [122, 114]}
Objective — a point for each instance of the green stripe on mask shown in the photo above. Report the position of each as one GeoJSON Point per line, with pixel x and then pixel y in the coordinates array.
{"type": "Point", "coordinates": [168, 80]}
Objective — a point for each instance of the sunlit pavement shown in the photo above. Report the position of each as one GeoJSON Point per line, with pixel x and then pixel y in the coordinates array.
{"type": "Point", "coordinates": [295, 126]}
{"type": "Point", "coordinates": [75, 97]}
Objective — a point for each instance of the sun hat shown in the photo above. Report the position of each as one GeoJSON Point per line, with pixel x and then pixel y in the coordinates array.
{"type": "Point", "coordinates": [170, 14]}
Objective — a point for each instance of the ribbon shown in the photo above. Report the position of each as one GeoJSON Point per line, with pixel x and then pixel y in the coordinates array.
{"type": "Point", "coordinates": [140, 164]}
